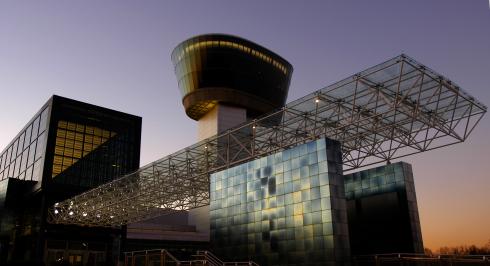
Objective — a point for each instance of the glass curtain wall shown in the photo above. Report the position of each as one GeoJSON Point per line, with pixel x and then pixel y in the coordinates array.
{"type": "Point", "coordinates": [23, 157]}
{"type": "Point", "coordinates": [382, 210]}
{"type": "Point", "coordinates": [284, 209]}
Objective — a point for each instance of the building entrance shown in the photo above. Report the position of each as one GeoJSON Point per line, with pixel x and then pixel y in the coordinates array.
{"type": "Point", "coordinates": [75, 257]}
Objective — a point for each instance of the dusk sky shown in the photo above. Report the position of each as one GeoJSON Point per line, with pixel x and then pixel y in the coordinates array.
{"type": "Point", "coordinates": [116, 54]}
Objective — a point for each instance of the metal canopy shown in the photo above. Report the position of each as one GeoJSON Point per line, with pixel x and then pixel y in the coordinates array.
{"type": "Point", "coordinates": [388, 111]}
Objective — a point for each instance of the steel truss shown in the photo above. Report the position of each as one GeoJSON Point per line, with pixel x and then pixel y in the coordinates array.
{"type": "Point", "coordinates": [388, 111]}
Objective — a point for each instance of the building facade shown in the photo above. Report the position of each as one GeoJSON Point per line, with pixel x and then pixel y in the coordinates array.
{"type": "Point", "coordinates": [296, 208]}
{"type": "Point", "coordinates": [288, 208]}
{"type": "Point", "coordinates": [382, 210]}
{"type": "Point", "coordinates": [66, 149]}
{"type": "Point", "coordinates": [284, 209]}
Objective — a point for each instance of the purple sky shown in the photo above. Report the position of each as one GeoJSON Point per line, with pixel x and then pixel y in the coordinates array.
{"type": "Point", "coordinates": [117, 54]}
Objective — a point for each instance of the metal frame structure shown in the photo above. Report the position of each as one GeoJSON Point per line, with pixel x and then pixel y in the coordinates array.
{"type": "Point", "coordinates": [394, 109]}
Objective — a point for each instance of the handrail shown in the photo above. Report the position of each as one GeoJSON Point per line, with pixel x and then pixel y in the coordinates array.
{"type": "Point", "coordinates": [132, 254]}
{"type": "Point", "coordinates": [483, 259]}
{"type": "Point", "coordinates": [214, 259]}
{"type": "Point", "coordinates": [412, 255]}
{"type": "Point", "coordinates": [208, 258]}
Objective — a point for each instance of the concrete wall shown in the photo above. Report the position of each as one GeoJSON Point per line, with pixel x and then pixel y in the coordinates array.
{"type": "Point", "coordinates": [219, 119]}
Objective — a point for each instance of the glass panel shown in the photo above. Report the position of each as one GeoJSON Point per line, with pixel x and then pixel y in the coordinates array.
{"type": "Point", "coordinates": [20, 148]}
{"type": "Point", "coordinates": [37, 171]}
{"type": "Point", "coordinates": [40, 146]}
{"type": "Point", "coordinates": [72, 143]}
{"type": "Point", "coordinates": [28, 173]}
{"type": "Point", "coordinates": [264, 224]}
{"type": "Point", "coordinates": [17, 166]}
{"type": "Point", "coordinates": [35, 128]}
{"type": "Point", "coordinates": [71, 126]}
{"type": "Point", "coordinates": [24, 160]}
{"type": "Point", "coordinates": [2, 161]}
{"type": "Point", "coordinates": [11, 170]}
{"type": "Point", "coordinates": [32, 152]}
{"type": "Point", "coordinates": [28, 137]}
{"type": "Point", "coordinates": [9, 153]}
{"type": "Point", "coordinates": [44, 120]}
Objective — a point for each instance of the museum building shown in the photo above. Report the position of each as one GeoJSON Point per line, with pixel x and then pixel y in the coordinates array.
{"type": "Point", "coordinates": [268, 182]}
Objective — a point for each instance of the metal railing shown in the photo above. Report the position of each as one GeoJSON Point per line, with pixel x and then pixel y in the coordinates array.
{"type": "Point", "coordinates": [150, 257]}
{"type": "Point", "coordinates": [213, 260]}
{"type": "Point", "coordinates": [161, 257]}
{"type": "Point", "coordinates": [409, 259]}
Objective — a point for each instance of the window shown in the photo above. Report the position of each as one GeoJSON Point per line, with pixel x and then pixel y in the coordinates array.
{"type": "Point", "coordinates": [44, 120]}
{"type": "Point", "coordinates": [41, 141]}
{"type": "Point", "coordinates": [28, 136]}
{"type": "Point", "coordinates": [35, 128]}
{"type": "Point", "coordinates": [32, 152]}
{"type": "Point", "coordinates": [74, 141]}
{"type": "Point", "coordinates": [37, 171]}
{"type": "Point", "coordinates": [20, 148]}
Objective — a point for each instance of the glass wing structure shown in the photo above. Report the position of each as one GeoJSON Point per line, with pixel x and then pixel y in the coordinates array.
{"type": "Point", "coordinates": [394, 109]}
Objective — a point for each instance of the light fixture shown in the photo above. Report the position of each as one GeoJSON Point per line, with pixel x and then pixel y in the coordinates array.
{"type": "Point", "coordinates": [70, 213]}
{"type": "Point", "coordinates": [84, 214]}
{"type": "Point", "coordinates": [56, 212]}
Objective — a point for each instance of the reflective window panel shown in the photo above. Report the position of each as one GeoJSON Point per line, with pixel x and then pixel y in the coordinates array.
{"type": "Point", "coordinates": [382, 210]}
{"type": "Point", "coordinates": [284, 209]}
{"type": "Point", "coordinates": [26, 151]}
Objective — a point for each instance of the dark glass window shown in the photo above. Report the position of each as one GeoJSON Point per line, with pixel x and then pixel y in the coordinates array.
{"type": "Point", "coordinates": [28, 136]}
{"type": "Point", "coordinates": [14, 149]}
{"type": "Point", "coordinates": [32, 152]}
{"type": "Point", "coordinates": [41, 141]}
{"type": "Point", "coordinates": [28, 173]}
{"type": "Point", "coordinates": [35, 128]}
{"type": "Point", "coordinates": [9, 152]}
{"type": "Point", "coordinates": [37, 171]}
{"type": "Point", "coordinates": [17, 166]}
{"type": "Point", "coordinates": [2, 161]}
{"type": "Point", "coordinates": [20, 149]}
{"type": "Point", "coordinates": [24, 160]}
{"type": "Point", "coordinates": [44, 121]}
{"type": "Point", "coordinates": [11, 170]}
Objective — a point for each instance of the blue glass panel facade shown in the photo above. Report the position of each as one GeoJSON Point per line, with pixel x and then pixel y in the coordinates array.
{"type": "Point", "coordinates": [284, 209]}
{"type": "Point", "coordinates": [382, 210]}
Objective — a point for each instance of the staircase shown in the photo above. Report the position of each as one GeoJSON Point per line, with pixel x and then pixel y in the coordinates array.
{"type": "Point", "coordinates": [161, 257]}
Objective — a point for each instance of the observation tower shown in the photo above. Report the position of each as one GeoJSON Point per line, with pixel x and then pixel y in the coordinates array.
{"type": "Point", "coordinates": [226, 80]}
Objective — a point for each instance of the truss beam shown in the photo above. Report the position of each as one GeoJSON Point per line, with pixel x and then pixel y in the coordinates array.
{"type": "Point", "coordinates": [395, 109]}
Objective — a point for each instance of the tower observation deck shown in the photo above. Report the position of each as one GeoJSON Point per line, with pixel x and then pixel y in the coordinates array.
{"type": "Point", "coordinates": [226, 80]}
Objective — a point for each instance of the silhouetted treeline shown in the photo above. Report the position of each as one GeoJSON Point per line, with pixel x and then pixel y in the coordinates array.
{"type": "Point", "coordinates": [461, 250]}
